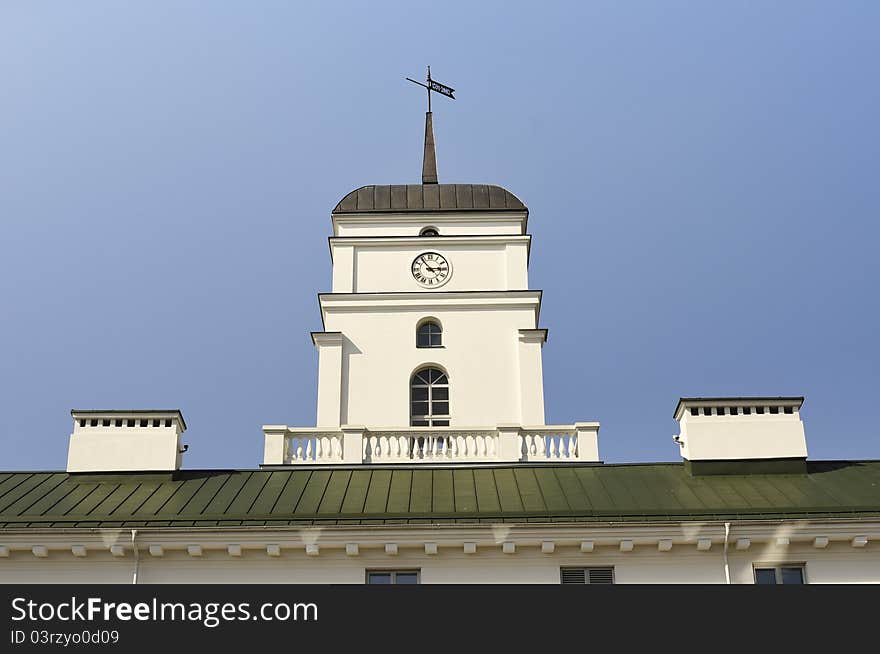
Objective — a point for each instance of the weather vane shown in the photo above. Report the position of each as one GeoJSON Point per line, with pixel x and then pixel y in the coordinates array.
{"type": "Point", "coordinates": [433, 85]}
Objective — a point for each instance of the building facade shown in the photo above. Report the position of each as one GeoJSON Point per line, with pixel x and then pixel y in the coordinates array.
{"type": "Point", "coordinates": [430, 460]}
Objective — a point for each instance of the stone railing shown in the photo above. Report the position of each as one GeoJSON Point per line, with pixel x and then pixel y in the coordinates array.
{"type": "Point", "coordinates": [505, 443]}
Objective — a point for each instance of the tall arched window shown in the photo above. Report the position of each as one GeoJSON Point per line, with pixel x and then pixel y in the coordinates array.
{"type": "Point", "coordinates": [429, 334]}
{"type": "Point", "coordinates": [429, 399]}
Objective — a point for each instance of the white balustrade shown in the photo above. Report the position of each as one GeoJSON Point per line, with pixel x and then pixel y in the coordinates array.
{"type": "Point", "coordinates": [308, 446]}
{"type": "Point", "coordinates": [427, 444]}
{"type": "Point", "coordinates": [510, 444]}
{"type": "Point", "coordinates": [550, 443]}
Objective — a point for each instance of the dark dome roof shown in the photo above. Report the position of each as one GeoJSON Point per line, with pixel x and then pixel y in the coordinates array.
{"type": "Point", "coordinates": [429, 197]}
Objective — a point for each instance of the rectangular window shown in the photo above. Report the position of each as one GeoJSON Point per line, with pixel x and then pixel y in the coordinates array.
{"type": "Point", "coordinates": [383, 577]}
{"type": "Point", "coordinates": [781, 574]}
{"type": "Point", "coordinates": [587, 575]}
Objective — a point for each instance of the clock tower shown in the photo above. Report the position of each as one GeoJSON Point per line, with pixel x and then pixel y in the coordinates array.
{"type": "Point", "coordinates": [430, 326]}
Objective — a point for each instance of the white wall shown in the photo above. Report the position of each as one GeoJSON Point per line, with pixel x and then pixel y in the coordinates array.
{"type": "Point", "coordinates": [370, 266]}
{"type": "Point", "coordinates": [839, 563]}
{"type": "Point", "coordinates": [481, 352]}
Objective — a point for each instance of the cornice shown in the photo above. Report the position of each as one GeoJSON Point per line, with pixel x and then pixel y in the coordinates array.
{"type": "Point", "coordinates": [430, 300]}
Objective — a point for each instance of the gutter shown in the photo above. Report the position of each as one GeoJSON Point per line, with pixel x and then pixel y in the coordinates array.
{"type": "Point", "coordinates": [726, 562]}
{"type": "Point", "coordinates": [137, 560]}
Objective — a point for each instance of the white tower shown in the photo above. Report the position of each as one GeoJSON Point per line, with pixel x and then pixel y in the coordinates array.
{"type": "Point", "coordinates": [430, 324]}
{"type": "Point", "coordinates": [449, 261]}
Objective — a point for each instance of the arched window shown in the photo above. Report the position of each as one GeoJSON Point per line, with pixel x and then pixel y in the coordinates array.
{"type": "Point", "coordinates": [429, 334]}
{"type": "Point", "coordinates": [429, 231]}
{"type": "Point", "coordinates": [429, 399]}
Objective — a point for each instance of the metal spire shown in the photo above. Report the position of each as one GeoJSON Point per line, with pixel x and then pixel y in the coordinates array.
{"type": "Point", "coordinates": [429, 163]}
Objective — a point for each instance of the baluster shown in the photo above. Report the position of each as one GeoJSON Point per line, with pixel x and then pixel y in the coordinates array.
{"type": "Point", "coordinates": [378, 451]}
{"type": "Point", "coordinates": [328, 447]}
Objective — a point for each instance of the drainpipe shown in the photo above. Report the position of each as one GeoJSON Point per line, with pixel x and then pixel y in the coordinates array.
{"type": "Point", "coordinates": [137, 560]}
{"type": "Point", "coordinates": [726, 564]}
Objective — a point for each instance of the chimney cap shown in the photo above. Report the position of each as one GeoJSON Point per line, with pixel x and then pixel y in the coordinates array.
{"type": "Point", "coordinates": [129, 413]}
{"type": "Point", "coordinates": [684, 402]}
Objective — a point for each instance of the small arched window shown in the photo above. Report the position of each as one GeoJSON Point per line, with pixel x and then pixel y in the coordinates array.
{"type": "Point", "coordinates": [429, 334]}
{"type": "Point", "coordinates": [429, 231]}
{"type": "Point", "coordinates": [429, 399]}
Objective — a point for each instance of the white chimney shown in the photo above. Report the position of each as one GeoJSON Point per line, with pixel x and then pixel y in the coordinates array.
{"type": "Point", "coordinates": [126, 441]}
{"type": "Point", "coordinates": [740, 428]}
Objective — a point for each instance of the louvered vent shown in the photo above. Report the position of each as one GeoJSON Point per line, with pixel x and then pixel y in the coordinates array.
{"type": "Point", "coordinates": [587, 575]}
{"type": "Point", "coordinates": [601, 575]}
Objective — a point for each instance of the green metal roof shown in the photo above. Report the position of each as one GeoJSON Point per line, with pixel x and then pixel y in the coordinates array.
{"type": "Point", "coordinates": [423, 494]}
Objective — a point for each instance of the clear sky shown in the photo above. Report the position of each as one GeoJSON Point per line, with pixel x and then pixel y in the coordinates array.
{"type": "Point", "coordinates": [702, 179]}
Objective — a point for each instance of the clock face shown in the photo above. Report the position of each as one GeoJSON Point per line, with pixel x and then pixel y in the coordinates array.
{"type": "Point", "coordinates": [431, 270]}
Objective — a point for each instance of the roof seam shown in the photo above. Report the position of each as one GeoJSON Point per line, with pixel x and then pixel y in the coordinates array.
{"type": "Point", "coordinates": [283, 488]}
{"type": "Point", "coordinates": [37, 499]}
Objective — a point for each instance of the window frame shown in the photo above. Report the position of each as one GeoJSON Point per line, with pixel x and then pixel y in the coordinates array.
{"type": "Point", "coordinates": [424, 322]}
{"type": "Point", "coordinates": [430, 417]}
{"type": "Point", "coordinates": [393, 572]}
{"type": "Point", "coordinates": [430, 228]}
{"type": "Point", "coordinates": [777, 571]}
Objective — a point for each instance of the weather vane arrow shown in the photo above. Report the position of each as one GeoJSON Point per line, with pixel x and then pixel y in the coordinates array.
{"type": "Point", "coordinates": [429, 163]}
{"type": "Point", "coordinates": [434, 85]}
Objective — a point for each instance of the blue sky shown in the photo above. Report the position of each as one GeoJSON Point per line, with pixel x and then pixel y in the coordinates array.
{"type": "Point", "coordinates": [701, 178]}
